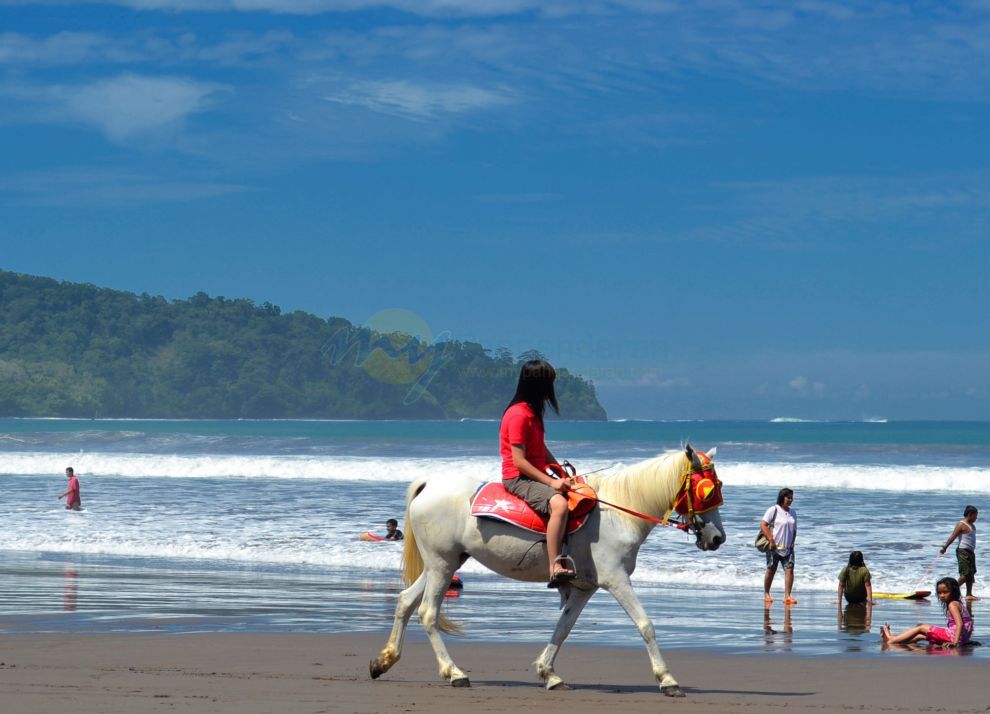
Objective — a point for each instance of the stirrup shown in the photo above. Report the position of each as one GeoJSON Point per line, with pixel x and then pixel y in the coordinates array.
{"type": "Point", "coordinates": [559, 579]}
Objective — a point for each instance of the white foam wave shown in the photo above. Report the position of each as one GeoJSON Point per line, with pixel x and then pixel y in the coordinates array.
{"type": "Point", "coordinates": [333, 468]}
{"type": "Point", "coordinates": [853, 476]}
{"type": "Point", "coordinates": [404, 469]}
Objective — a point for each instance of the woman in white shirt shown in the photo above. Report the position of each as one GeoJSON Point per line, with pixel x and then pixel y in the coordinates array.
{"type": "Point", "coordinates": [779, 525]}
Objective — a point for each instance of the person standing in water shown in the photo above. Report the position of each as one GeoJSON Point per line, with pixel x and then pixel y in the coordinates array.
{"type": "Point", "coordinates": [779, 526]}
{"type": "Point", "coordinates": [965, 531]}
{"type": "Point", "coordinates": [73, 502]}
{"type": "Point", "coordinates": [525, 457]}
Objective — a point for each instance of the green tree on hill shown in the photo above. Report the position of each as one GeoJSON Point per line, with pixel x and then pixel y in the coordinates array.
{"type": "Point", "coordinates": [76, 350]}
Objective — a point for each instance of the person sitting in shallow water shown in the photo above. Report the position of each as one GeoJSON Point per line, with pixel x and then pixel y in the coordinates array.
{"type": "Point", "coordinates": [958, 623]}
{"type": "Point", "coordinates": [855, 582]}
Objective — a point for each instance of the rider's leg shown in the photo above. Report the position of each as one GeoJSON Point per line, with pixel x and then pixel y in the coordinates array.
{"type": "Point", "coordinates": [555, 529]}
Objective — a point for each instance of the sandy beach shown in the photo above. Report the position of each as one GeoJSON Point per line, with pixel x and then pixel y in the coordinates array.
{"type": "Point", "coordinates": [288, 673]}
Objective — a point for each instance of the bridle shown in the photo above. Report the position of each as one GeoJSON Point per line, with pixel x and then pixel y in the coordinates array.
{"type": "Point", "coordinates": [700, 491]}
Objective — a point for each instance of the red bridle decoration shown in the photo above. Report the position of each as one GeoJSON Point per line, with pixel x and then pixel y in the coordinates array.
{"type": "Point", "coordinates": [701, 489]}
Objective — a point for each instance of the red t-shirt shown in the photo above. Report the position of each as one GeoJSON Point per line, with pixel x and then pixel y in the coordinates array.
{"type": "Point", "coordinates": [73, 498]}
{"type": "Point", "coordinates": [520, 426]}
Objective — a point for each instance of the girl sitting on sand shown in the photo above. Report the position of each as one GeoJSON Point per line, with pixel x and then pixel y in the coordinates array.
{"type": "Point", "coordinates": [958, 624]}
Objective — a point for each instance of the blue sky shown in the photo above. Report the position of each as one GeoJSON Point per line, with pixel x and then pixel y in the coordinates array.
{"type": "Point", "coordinates": [712, 209]}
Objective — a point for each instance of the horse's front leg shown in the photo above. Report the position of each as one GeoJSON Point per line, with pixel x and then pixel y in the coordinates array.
{"type": "Point", "coordinates": [624, 593]}
{"type": "Point", "coordinates": [438, 577]}
{"type": "Point", "coordinates": [408, 600]}
{"type": "Point", "coordinates": [576, 600]}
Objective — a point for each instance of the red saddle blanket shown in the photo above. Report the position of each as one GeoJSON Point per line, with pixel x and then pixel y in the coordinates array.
{"type": "Point", "coordinates": [493, 501]}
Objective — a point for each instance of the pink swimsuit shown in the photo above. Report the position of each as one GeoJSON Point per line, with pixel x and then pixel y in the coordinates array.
{"type": "Point", "coordinates": [941, 635]}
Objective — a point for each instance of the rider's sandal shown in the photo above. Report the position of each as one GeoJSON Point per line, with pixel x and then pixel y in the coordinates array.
{"type": "Point", "coordinates": [565, 574]}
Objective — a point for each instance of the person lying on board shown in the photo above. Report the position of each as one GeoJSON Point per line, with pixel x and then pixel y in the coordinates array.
{"type": "Point", "coordinates": [392, 532]}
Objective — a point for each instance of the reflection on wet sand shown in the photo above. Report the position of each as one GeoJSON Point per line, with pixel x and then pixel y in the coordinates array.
{"type": "Point", "coordinates": [856, 619]}
{"type": "Point", "coordinates": [70, 590]}
{"type": "Point", "coordinates": [772, 637]}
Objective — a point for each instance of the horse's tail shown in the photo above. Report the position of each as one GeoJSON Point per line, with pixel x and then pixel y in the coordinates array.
{"type": "Point", "coordinates": [412, 559]}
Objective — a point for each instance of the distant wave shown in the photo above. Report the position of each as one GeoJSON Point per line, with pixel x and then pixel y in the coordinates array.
{"type": "Point", "coordinates": [884, 477]}
{"type": "Point", "coordinates": [796, 420]}
{"type": "Point", "coordinates": [334, 468]}
{"type": "Point", "coordinates": [850, 476]}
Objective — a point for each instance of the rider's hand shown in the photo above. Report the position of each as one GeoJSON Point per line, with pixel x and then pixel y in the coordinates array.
{"type": "Point", "coordinates": [562, 485]}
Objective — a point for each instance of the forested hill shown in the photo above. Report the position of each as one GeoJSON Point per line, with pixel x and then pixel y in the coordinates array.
{"type": "Point", "coordinates": [76, 350]}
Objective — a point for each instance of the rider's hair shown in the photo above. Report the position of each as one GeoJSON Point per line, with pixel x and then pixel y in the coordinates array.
{"type": "Point", "coordinates": [536, 387]}
{"type": "Point", "coordinates": [969, 510]}
{"type": "Point", "coordinates": [391, 522]}
{"type": "Point", "coordinates": [856, 559]}
{"type": "Point", "coordinates": [784, 493]}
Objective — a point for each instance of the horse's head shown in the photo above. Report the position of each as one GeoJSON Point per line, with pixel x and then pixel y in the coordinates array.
{"type": "Point", "coordinates": [700, 498]}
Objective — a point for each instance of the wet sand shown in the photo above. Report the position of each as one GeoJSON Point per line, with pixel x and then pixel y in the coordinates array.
{"type": "Point", "coordinates": [287, 673]}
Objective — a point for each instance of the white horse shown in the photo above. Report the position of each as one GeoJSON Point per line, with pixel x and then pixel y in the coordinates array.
{"type": "Point", "coordinates": [441, 535]}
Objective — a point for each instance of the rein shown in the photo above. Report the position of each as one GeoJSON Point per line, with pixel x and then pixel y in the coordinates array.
{"type": "Point", "coordinates": [684, 488]}
{"type": "Point", "coordinates": [665, 521]}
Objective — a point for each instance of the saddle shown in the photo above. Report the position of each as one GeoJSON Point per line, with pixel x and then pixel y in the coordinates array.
{"type": "Point", "coordinates": [491, 500]}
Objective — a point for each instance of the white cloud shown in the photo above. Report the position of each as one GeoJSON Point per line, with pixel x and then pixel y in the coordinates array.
{"type": "Point", "coordinates": [418, 100]}
{"type": "Point", "coordinates": [130, 105]}
{"type": "Point", "coordinates": [124, 108]}
{"type": "Point", "coordinates": [60, 48]}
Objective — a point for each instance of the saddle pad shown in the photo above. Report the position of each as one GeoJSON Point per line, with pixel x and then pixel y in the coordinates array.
{"type": "Point", "coordinates": [493, 501]}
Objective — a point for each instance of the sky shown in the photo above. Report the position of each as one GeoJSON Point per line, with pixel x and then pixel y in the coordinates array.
{"type": "Point", "coordinates": [711, 209]}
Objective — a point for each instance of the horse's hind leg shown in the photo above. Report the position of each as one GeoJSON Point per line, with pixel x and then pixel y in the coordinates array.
{"type": "Point", "coordinates": [408, 600]}
{"type": "Point", "coordinates": [576, 600]}
{"type": "Point", "coordinates": [624, 593]}
{"type": "Point", "coordinates": [438, 577]}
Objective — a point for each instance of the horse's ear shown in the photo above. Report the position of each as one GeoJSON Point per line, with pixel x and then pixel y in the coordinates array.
{"type": "Point", "coordinates": [689, 452]}
{"type": "Point", "coordinates": [711, 453]}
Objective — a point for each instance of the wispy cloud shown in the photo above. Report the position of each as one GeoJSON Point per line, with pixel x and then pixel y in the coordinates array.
{"type": "Point", "coordinates": [126, 107]}
{"type": "Point", "coordinates": [108, 187]}
{"type": "Point", "coordinates": [419, 100]}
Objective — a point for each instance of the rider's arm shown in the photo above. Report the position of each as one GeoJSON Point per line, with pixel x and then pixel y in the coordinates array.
{"type": "Point", "coordinates": [527, 469]}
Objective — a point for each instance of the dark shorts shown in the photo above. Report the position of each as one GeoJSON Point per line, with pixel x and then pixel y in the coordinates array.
{"type": "Point", "coordinates": [536, 494]}
{"type": "Point", "coordinates": [967, 562]}
{"type": "Point", "coordinates": [774, 558]}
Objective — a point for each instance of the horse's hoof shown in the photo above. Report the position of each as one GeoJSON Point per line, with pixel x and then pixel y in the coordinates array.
{"type": "Point", "coordinates": [561, 686]}
{"type": "Point", "coordinates": [460, 682]}
{"type": "Point", "coordinates": [375, 669]}
{"type": "Point", "coordinates": [672, 691]}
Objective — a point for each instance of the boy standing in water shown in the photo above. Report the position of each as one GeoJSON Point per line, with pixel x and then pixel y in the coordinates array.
{"type": "Point", "coordinates": [965, 531]}
{"type": "Point", "coordinates": [73, 502]}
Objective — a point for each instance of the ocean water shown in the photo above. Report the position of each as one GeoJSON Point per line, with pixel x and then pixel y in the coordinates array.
{"type": "Point", "coordinates": [253, 525]}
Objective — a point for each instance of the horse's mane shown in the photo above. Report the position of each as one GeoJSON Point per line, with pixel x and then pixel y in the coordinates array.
{"type": "Point", "coordinates": [648, 487]}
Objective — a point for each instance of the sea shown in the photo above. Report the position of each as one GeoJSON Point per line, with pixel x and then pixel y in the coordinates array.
{"type": "Point", "coordinates": [224, 526]}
